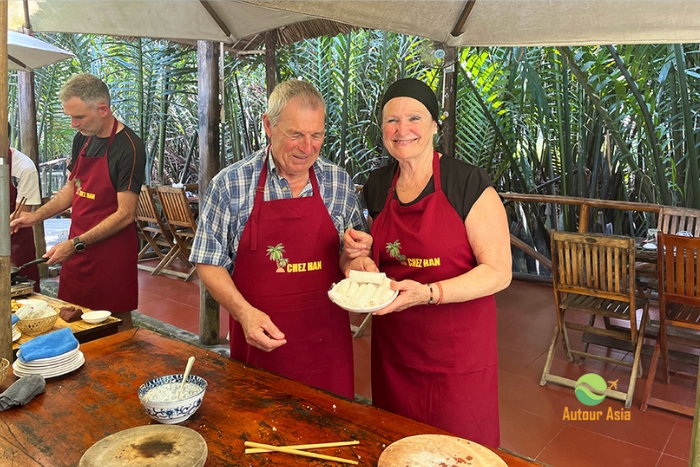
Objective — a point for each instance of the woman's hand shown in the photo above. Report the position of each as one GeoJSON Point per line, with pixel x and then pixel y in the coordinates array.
{"type": "Point", "coordinates": [411, 293]}
{"type": "Point", "coordinates": [357, 243]}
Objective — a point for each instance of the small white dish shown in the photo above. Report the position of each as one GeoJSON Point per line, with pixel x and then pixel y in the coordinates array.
{"type": "Point", "coordinates": [95, 317]}
{"type": "Point", "coordinates": [15, 334]}
{"type": "Point", "coordinates": [649, 246]}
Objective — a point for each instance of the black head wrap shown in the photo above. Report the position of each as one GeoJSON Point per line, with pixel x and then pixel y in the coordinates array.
{"type": "Point", "coordinates": [418, 90]}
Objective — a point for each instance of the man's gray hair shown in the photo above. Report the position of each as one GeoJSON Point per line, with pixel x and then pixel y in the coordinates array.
{"type": "Point", "coordinates": [308, 95]}
{"type": "Point", "coordinates": [88, 88]}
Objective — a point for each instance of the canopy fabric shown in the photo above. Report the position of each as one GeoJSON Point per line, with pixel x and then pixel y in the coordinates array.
{"type": "Point", "coordinates": [490, 22]}
{"type": "Point", "coordinates": [221, 21]}
{"type": "Point", "coordinates": [517, 22]}
{"type": "Point", "coordinates": [26, 53]}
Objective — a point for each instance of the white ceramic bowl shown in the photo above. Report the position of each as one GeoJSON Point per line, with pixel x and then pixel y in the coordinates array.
{"type": "Point", "coordinates": [94, 317]}
{"type": "Point", "coordinates": [176, 411]}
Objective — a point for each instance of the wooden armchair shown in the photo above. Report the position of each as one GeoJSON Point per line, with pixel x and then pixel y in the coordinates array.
{"type": "Point", "coordinates": [679, 312]}
{"type": "Point", "coordinates": [181, 223]}
{"type": "Point", "coordinates": [594, 274]}
{"type": "Point", "coordinates": [672, 220]}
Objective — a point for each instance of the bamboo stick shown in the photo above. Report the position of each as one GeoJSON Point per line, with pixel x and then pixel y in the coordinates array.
{"type": "Point", "coordinates": [299, 453]}
{"type": "Point", "coordinates": [306, 446]}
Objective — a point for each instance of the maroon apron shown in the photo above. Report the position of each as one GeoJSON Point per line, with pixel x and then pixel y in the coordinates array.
{"type": "Point", "coordinates": [436, 364]}
{"type": "Point", "coordinates": [104, 275]}
{"type": "Point", "coordinates": [22, 249]}
{"type": "Point", "coordinates": [286, 261]}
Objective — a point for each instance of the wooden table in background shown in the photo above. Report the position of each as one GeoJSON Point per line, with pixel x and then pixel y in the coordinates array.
{"type": "Point", "coordinates": [241, 403]}
{"type": "Point", "coordinates": [83, 331]}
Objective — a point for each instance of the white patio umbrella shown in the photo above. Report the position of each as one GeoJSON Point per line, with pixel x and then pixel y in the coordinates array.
{"type": "Point", "coordinates": [25, 53]}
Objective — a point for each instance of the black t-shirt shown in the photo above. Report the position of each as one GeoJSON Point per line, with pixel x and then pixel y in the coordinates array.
{"type": "Point", "coordinates": [126, 160]}
{"type": "Point", "coordinates": [462, 183]}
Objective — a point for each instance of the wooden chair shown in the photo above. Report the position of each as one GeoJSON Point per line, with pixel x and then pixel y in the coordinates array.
{"type": "Point", "coordinates": [679, 312]}
{"type": "Point", "coordinates": [181, 223]}
{"type": "Point", "coordinates": [672, 220]}
{"type": "Point", "coordinates": [151, 227]}
{"type": "Point", "coordinates": [594, 274]}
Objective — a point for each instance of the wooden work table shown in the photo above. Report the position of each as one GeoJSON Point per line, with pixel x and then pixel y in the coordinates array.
{"type": "Point", "coordinates": [241, 403]}
{"type": "Point", "coordinates": [83, 331]}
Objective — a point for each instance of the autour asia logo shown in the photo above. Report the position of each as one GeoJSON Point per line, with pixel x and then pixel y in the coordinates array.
{"type": "Point", "coordinates": [590, 391]}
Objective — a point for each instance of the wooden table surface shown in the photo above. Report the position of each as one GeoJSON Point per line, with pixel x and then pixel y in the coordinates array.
{"type": "Point", "coordinates": [83, 331]}
{"type": "Point", "coordinates": [241, 403]}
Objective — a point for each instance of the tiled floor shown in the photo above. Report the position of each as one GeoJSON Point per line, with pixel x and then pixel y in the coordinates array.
{"type": "Point", "coordinates": [532, 422]}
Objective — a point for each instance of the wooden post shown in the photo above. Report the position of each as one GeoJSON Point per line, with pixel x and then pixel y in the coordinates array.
{"type": "Point", "coordinates": [695, 437]}
{"type": "Point", "coordinates": [270, 60]}
{"type": "Point", "coordinates": [449, 104]}
{"type": "Point", "coordinates": [5, 309]}
{"type": "Point", "coordinates": [209, 165]}
{"type": "Point", "coordinates": [30, 147]}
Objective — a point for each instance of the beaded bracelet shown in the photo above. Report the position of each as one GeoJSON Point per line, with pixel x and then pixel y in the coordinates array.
{"type": "Point", "coordinates": [439, 286]}
{"type": "Point", "coordinates": [430, 300]}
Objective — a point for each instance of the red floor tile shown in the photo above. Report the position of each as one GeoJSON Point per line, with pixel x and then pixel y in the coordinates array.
{"type": "Point", "coordinates": [670, 461]}
{"type": "Point", "coordinates": [576, 447]}
{"type": "Point", "coordinates": [679, 442]}
{"type": "Point", "coordinates": [524, 432]}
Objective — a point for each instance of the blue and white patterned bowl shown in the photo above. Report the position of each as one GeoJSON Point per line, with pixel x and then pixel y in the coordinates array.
{"type": "Point", "coordinates": [176, 411]}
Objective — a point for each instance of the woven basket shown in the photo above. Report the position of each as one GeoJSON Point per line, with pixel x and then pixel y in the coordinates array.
{"type": "Point", "coordinates": [33, 327]}
{"type": "Point", "coordinates": [4, 366]}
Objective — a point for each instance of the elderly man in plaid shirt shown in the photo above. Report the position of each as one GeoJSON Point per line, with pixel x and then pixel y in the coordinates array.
{"type": "Point", "coordinates": [268, 247]}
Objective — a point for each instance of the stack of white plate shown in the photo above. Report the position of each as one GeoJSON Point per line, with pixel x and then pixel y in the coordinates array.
{"type": "Point", "coordinates": [52, 366]}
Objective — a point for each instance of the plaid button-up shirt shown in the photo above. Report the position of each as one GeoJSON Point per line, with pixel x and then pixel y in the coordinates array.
{"type": "Point", "coordinates": [228, 203]}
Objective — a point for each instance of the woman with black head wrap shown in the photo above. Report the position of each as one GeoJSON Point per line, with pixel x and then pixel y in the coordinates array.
{"type": "Point", "coordinates": [440, 230]}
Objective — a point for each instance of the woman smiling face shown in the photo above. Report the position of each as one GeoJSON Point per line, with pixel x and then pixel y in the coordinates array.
{"type": "Point", "coordinates": [407, 129]}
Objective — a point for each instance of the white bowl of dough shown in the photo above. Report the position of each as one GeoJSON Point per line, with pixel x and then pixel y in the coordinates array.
{"type": "Point", "coordinates": [363, 292]}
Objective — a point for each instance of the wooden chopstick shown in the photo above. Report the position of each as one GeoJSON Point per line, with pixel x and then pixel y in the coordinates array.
{"type": "Point", "coordinates": [18, 208]}
{"type": "Point", "coordinates": [299, 453]}
{"type": "Point", "coordinates": [306, 446]}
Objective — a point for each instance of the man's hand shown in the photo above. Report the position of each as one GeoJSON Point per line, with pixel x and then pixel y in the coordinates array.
{"type": "Point", "coordinates": [357, 243]}
{"type": "Point", "coordinates": [361, 263]}
{"type": "Point", "coordinates": [60, 252]}
{"type": "Point", "coordinates": [260, 331]}
{"type": "Point", "coordinates": [23, 219]}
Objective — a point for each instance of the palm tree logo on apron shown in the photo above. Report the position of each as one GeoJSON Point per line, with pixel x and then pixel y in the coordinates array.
{"type": "Point", "coordinates": [276, 254]}
{"type": "Point", "coordinates": [394, 250]}
{"type": "Point", "coordinates": [78, 186]}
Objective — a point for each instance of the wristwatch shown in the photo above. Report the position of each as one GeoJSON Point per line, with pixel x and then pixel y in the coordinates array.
{"type": "Point", "coordinates": [78, 245]}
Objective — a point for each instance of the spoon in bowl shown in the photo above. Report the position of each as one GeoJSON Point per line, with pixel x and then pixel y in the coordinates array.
{"type": "Point", "coordinates": [188, 368]}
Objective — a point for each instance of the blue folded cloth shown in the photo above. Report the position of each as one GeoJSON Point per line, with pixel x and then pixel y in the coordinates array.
{"type": "Point", "coordinates": [14, 319]}
{"type": "Point", "coordinates": [48, 345]}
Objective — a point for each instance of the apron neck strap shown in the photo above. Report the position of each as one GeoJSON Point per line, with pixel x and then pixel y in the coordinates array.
{"type": "Point", "coordinates": [115, 125]}
{"type": "Point", "coordinates": [260, 191]}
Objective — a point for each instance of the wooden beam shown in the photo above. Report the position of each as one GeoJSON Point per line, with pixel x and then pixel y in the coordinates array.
{"type": "Point", "coordinates": [30, 147]}
{"type": "Point", "coordinates": [459, 25]}
{"type": "Point", "coordinates": [449, 100]}
{"type": "Point", "coordinates": [270, 61]}
{"type": "Point", "coordinates": [208, 99]}
{"type": "Point", "coordinates": [215, 16]}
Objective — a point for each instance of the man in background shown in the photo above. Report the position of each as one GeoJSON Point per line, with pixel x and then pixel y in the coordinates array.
{"type": "Point", "coordinates": [107, 170]}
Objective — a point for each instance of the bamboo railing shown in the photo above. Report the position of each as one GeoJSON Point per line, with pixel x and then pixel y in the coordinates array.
{"type": "Point", "coordinates": [585, 206]}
